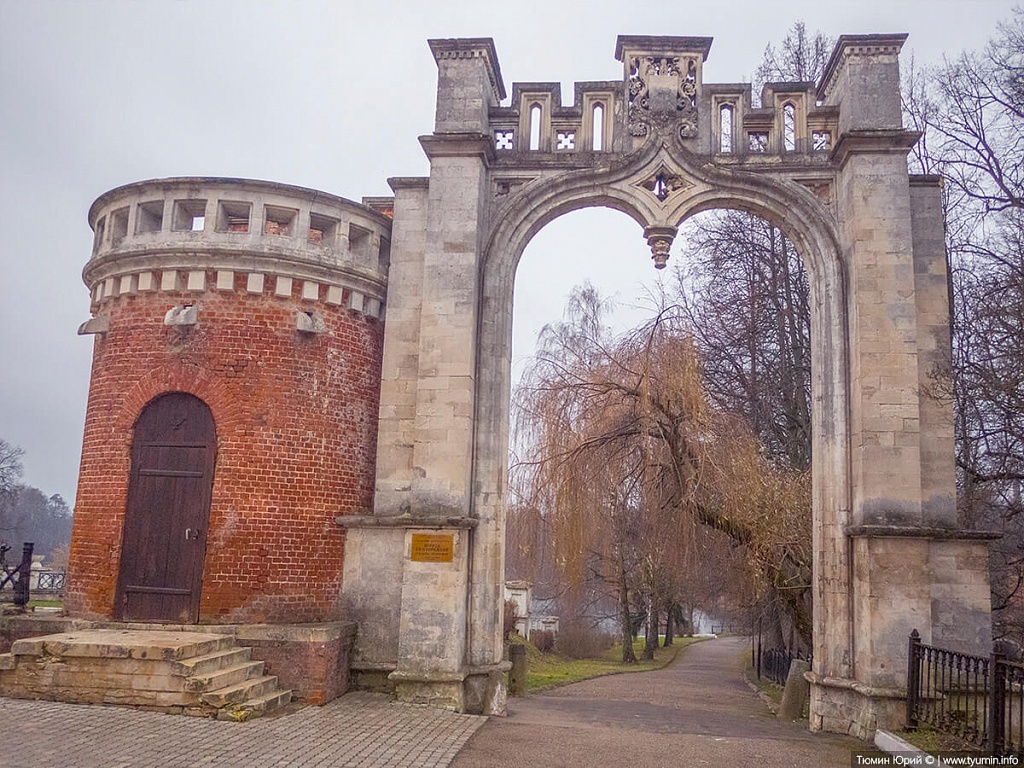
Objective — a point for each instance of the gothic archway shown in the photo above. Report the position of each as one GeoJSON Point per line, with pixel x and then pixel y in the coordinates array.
{"type": "Point", "coordinates": [827, 164]}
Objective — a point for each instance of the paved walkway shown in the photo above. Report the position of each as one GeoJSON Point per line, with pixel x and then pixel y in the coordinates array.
{"type": "Point", "coordinates": [360, 729]}
{"type": "Point", "coordinates": [696, 712]}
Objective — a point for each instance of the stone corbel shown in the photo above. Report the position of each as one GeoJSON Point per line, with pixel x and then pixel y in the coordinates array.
{"type": "Point", "coordinates": [99, 325]}
{"type": "Point", "coordinates": [660, 239]}
{"type": "Point", "coordinates": [183, 314]}
{"type": "Point", "coordinates": [308, 322]}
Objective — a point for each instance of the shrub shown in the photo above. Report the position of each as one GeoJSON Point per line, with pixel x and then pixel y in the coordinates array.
{"type": "Point", "coordinates": [543, 640]}
{"type": "Point", "coordinates": [581, 640]}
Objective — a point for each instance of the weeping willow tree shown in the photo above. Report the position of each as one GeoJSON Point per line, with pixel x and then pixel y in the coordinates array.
{"type": "Point", "coordinates": [621, 461]}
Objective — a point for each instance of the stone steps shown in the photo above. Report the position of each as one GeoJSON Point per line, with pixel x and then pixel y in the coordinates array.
{"type": "Point", "coordinates": [192, 673]}
{"type": "Point", "coordinates": [256, 707]}
{"type": "Point", "coordinates": [212, 662]}
{"type": "Point", "coordinates": [239, 693]}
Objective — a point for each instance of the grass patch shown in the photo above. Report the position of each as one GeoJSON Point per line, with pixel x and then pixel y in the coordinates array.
{"type": "Point", "coordinates": [45, 603]}
{"type": "Point", "coordinates": [544, 670]}
{"type": "Point", "coordinates": [772, 690]}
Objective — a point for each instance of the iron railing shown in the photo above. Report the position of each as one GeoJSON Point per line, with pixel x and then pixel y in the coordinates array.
{"type": "Point", "coordinates": [978, 699]}
{"type": "Point", "coordinates": [18, 575]}
{"type": "Point", "coordinates": [774, 663]}
{"type": "Point", "coordinates": [51, 581]}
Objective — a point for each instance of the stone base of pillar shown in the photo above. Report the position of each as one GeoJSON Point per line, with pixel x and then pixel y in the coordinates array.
{"type": "Point", "coordinates": [477, 691]}
{"type": "Point", "coordinates": [486, 689]}
{"type": "Point", "coordinates": [441, 690]}
{"type": "Point", "coordinates": [845, 706]}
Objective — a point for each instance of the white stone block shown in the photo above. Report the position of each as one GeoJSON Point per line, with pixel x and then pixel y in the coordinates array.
{"type": "Point", "coordinates": [310, 290]}
{"type": "Point", "coordinates": [182, 315]}
{"type": "Point", "coordinates": [108, 288]}
{"type": "Point", "coordinates": [335, 294]}
{"type": "Point", "coordinates": [126, 284]}
{"type": "Point", "coordinates": [168, 280]}
{"type": "Point", "coordinates": [197, 280]}
{"type": "Point", "coordinates": [225, 280]}
{"type": "Point", "coordinates": [254, 283]}
{"type": "Point", "coordinates": [145, 281]}
{"type": "Point", "coordinates": [355, 301]}
{"type": "Point", "coordinates": [283, 286]}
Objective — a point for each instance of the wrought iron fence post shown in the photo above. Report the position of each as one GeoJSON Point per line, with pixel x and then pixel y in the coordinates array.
{"type": "Point", "coordinates": [24, 574]}
{"type": "Point", "coordinates": [913, 678]}
{"type": "Point", "coordinates": [997, 703]}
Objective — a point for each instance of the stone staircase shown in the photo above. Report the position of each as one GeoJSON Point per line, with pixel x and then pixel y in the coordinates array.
{"type": "Point", "coordinates": [191, 673]}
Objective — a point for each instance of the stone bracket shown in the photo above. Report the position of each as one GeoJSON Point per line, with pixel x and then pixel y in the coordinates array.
{"type": "Point", "coordinates": [94, 325]}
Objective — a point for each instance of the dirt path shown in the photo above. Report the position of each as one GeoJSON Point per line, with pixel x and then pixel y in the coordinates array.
{"type": "Point", "coordinates": [696, 712]}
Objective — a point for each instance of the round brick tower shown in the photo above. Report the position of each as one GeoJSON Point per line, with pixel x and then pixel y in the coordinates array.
{"type": "Point", "coordinates": [233, 403]}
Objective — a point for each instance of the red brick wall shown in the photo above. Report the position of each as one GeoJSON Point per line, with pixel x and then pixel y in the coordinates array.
{"type": "Point", "coordinates": [296, 417]}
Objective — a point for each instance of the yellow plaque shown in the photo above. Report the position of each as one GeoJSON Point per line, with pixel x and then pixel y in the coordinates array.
{"type": "Point", "coordinates": [432, 548]}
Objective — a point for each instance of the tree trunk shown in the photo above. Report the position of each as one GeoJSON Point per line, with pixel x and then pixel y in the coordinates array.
{"type": "Point", "coordinates": [668, 626]}
{"type": "Point", "coordinates": [651, 641]}
{"type": "Point", "coordinates": [625, 621]}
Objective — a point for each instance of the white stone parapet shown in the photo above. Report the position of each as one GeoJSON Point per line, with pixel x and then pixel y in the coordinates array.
{"type": "Point", "coordinates": [168, 234]}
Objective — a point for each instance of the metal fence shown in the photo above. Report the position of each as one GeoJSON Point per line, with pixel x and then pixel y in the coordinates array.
{"type": "Point", "coordinates": [51, 582]}
{"type": "Point", "coordinates": [774, 663]}
{"type": "Point", "coordinates": [978, 699]}
{"type": "Point", "coordinates": [17, 576]}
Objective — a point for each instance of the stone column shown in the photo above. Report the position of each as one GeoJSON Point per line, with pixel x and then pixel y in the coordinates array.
{"type": "Point", "coordinates": [425, 464]}
{"type": "Point", "coordinates": [903, 542]}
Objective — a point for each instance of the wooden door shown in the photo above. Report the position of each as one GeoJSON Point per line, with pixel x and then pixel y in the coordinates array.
{"type": "Point", "coordinates": [169, 490]}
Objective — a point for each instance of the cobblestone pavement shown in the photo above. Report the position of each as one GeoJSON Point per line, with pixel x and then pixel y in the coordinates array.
{"type": "Point", "coordinates": [360, 729]}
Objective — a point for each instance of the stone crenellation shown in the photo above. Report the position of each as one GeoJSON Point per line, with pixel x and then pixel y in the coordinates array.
{"type": "Point", "coordinates": [197, 234]}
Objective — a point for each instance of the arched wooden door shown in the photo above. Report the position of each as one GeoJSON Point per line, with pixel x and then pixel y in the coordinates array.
{"type": "Point", "coordinates": [164, 542]}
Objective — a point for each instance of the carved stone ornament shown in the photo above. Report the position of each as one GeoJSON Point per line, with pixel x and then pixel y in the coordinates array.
{"type": "Point", "coordinates": [662, 96]}
{"type": "Point", "coordinates": [660, 239]}
{"type": "Point", "coordinates": [662, 183]}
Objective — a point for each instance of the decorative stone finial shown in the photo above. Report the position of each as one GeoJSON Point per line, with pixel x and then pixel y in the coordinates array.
{"type": "Point", "coordinates": [660, 239]}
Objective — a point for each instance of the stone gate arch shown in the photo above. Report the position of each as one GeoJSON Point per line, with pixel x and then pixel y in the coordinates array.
{"type": "Point", "coordinates": [827, 162]}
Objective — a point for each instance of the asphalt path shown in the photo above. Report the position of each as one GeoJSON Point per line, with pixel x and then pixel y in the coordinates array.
{"type": "Point", "coordinates": [698, 711]}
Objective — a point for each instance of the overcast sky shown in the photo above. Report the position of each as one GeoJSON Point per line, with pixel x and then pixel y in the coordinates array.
{"type": "Point", "coordinates": [329, 95]}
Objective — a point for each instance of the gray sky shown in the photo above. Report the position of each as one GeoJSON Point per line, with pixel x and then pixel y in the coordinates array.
{"type": "Point", "coordinates": [329, 95]}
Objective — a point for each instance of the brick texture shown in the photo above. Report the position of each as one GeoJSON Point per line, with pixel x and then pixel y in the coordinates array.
{"type": "Point", "coordinates": [296, 418]}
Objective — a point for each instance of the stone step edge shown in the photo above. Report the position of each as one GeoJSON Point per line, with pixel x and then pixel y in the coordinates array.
{"type": "Point", "coordinates": [255, 707]}
{"type": "Point", "coordinates": [211, 662]}
{"type": "Point", "coordinates": [65, 646]}
{"type": "Point", "coordinates": [210, 682]}
{"type": "Point", "coordinates": [236, 694]}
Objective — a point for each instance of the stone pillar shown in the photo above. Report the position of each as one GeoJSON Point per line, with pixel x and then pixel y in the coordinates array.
{"type": "Point", "coordinates": [903, 543]}
{"type": "Point", "coordinates": [449, 647]}
{"type": "Point", "coordinates": [400, 365]}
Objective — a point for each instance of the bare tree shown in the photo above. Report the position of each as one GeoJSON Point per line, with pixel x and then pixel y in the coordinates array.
{"type": "Point", "coordinates": [623, 459]}
{"type": "Point", "coordinates": [10, 466]}
{"type": "Point", "coordinates": [800, 58]}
